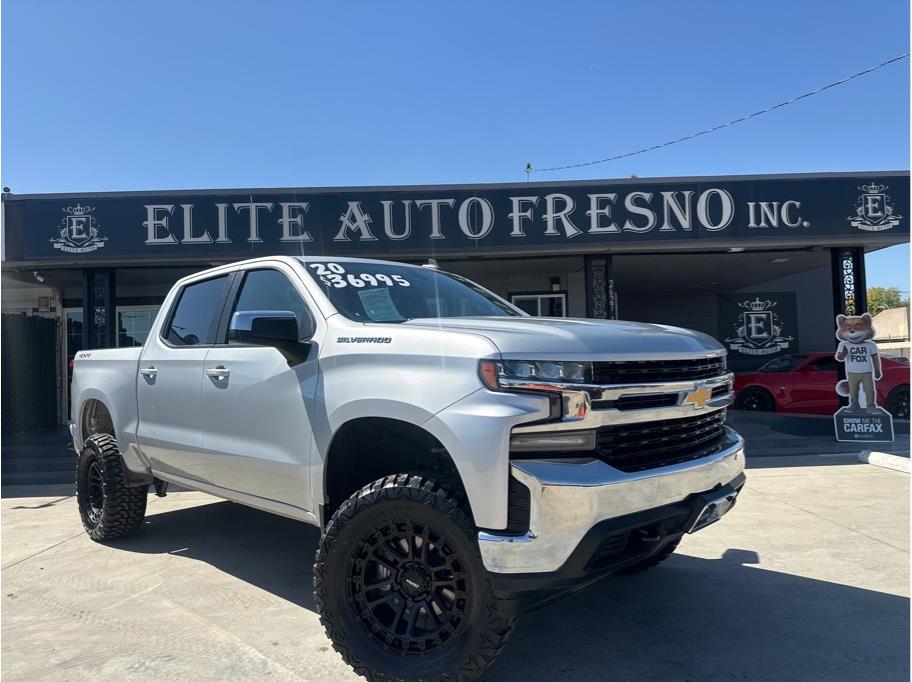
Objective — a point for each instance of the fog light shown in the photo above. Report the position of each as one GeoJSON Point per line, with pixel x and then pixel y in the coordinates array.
{"type": "Point", "coordinates": [553, 441]}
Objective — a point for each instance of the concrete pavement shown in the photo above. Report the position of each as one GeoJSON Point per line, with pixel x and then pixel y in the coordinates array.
{"type": "Point", "coordinates": [771, 434]}
{"type": "Point", "coordinates": [806, 579]}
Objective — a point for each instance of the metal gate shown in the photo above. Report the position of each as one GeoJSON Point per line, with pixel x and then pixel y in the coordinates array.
{"type": "Point", "coordinates": [29, 373]}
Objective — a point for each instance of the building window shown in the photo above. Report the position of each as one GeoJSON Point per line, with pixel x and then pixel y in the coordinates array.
{"type": "Point", "coordinates": [551, 304]}
{"type": "Point", "coordinates": [134, 325]}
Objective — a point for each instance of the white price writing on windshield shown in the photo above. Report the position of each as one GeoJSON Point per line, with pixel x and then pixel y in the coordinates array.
{"type": "Point", "coordinates": [334, 275]}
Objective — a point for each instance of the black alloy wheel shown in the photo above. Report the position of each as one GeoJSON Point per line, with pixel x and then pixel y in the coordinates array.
{"type": "Point", "coordinates": [407, 587]}
{"type": "Point", "coordinates": [94, 493]}
{"type": "Point", "coordinates": [401, 586]}
{"type": "Point", "coordinates": [755, 400]}
{"type": "Point", "coordinates": [108, 507]}
{"type": "Point", "coordinates": [898, 402]}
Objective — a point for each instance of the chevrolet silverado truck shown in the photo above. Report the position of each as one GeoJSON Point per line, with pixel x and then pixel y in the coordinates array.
{"type": "Point", "coordinates": [465, 462]}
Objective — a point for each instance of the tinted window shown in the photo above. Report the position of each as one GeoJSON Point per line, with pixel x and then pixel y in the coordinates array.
{"type": "Point", "coordinates": [271, 290]}
{"type": "Point", "coordinates": [192, 321]}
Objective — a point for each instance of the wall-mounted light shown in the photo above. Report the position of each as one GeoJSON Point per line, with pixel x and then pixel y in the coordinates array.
{"type": "Point", "coordinates": [555, 284]}
{"type": "Point", "coordinates": [38, 276]}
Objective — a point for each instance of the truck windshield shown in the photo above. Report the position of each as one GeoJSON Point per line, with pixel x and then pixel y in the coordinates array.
{"type": "Point", "coordinates": [386, 292]}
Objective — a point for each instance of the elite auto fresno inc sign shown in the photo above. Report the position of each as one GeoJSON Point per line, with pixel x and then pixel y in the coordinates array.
{"type": "Point", "coordinates": [474, 217]}
{"type": "Point", "coordinates": [449, 218]}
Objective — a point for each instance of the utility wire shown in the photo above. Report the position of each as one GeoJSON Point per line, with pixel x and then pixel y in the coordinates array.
{"type": "Point", "coordinates": [529, 169]}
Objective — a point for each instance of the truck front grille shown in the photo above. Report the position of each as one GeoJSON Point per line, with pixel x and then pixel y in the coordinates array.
{"type": "Point", "coordinates": [638, 402]}
{"type": "Point", "coordinates": [647, 445]}
{"type": "Point", "coordinates": [657, 371]}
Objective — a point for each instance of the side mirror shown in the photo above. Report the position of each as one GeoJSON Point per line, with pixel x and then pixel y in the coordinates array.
{"type": "Point", "coordinates": [810, 368]}
{"type": "Point", "coordinates": [264, 328]}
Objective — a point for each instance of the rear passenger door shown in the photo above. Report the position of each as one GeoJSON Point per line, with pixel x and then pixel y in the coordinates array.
{"type": "Point", "coordinates": [170, 380]}
{"type": "Point", "coordinates": [258, 402]}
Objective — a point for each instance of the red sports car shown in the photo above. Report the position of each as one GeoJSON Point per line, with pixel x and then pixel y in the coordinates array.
{"type": "Point", "coordinates": [806, 384]}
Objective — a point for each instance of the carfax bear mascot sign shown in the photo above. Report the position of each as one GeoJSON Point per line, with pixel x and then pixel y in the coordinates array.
{"type": "Point", "coordinates": [862, 419]}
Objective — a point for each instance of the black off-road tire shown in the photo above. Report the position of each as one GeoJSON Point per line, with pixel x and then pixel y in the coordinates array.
{"type": "Point", "coordinates": [654, 560]}
{"type": "Point", "coordinates": [109, 508]}
{"type": "Point", "coordinates": [378, 529]}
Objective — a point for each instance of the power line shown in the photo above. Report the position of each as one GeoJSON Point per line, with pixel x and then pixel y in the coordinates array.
{"type": "Point", "coordinates": [529, 169]}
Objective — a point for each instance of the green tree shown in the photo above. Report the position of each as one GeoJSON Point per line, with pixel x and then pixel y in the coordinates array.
{"type": "Point", "coordinates": [880, 298]}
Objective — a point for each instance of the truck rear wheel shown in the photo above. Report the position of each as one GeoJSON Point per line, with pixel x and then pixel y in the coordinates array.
{"type": "Point", "coordinates": [401, 587]}
{"type": "Point", "coordinates": [109, 508]}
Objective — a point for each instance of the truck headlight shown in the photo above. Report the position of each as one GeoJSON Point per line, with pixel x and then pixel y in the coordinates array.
{"type": "Point", "coordinates": [500, 375]}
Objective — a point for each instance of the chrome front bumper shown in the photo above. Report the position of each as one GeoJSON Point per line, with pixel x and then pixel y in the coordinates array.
{"type": "Point", "coordinates": [569, 498]}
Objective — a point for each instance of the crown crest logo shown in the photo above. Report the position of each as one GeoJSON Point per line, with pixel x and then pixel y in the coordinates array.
{"type": "Point", "coordinates": [757, 305]}
{"type": "Point", "coordinates": [758, 329]}
{"type": "Point", "coordinates": [78, 210]}
{"type": "Point", "coordinates": [78, 231]}
{"type": "Point", "coordinates": [874, 209]}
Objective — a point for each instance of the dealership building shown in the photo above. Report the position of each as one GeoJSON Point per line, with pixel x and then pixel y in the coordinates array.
{"type": "Point", "coordinates": [761, 262]}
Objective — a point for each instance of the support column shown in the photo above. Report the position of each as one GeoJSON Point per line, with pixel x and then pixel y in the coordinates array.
{"type": "Point", "coordinates": [99, 314]}
{"type": "Point", "coordinates": [850, 294]}
{"type": "Point", "coordinates": [601, 296]}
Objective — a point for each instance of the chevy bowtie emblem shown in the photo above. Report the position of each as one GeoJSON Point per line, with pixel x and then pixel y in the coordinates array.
{"type": "Point", "coordinates": [698, 397]}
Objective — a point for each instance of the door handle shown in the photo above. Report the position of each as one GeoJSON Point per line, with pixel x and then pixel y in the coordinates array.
{"type": "Point", "coordinates": [149, 371]}
{"type": "Point", "coordinates": [218, 373]}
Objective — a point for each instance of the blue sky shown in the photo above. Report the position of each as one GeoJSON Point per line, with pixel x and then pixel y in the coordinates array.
{"type": "Point", "coordinates": [156, 95]}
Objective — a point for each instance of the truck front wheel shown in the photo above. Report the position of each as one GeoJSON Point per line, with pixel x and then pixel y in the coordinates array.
{"type": "Point", "coordinates": [401, 587]}
{"type": "Point", "coordinates": [109, 508]}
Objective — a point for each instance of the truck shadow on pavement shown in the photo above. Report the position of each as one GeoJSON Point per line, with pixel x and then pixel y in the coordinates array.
{"type": "Point", "coordinates": [691, 618]}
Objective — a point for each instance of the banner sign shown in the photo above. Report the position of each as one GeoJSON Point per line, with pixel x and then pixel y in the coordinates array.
{"type": "Point", "coordinates": [456, 219]}
{"type": "Point", "coordinates": [758, 326]}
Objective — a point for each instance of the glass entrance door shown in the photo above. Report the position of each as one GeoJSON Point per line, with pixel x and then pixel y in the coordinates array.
{"type": "Point", "coordinates": [72, 344]}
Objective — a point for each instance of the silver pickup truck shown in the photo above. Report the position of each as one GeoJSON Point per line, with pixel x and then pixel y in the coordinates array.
{"type": "Point", "coordinates": [465, 462]}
